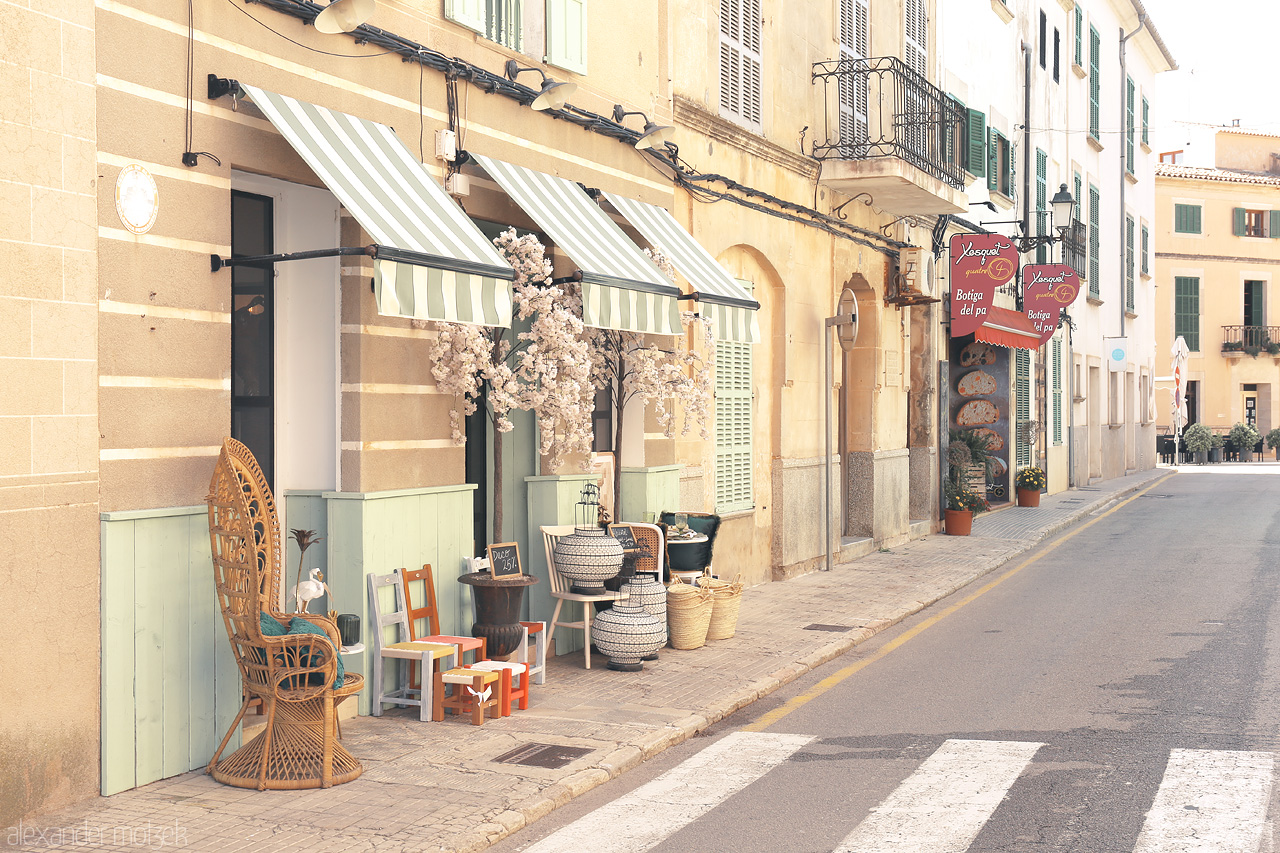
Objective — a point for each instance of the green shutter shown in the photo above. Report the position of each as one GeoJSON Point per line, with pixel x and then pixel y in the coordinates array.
{"type": "Point", "coordinates": [1238, 221]}
{"type": "Point", "coordinates": [734, 425]}
{"type": "Point", "coordinates": [1128, 264]}
{"type": "Point", "coordinates": [1057, 390]}
{"type": "Point", "coordinates": [1013, 169]}
{"type": "Point", "coordinates": [1274, 230]}
{"type": "Point", "coordinates": [1095, 83]}
{"type": "Point", "coordinates": [567, 34]}
{"type": "Point", "coordinates": [1095, 241]}
{"type": "Point", "coordinates": [1146, 250]}
{"type": "Point", "coordinates": [1186, 218]}
{"type": "Point", "coordinates": [1022, 406]}
{"type": "Point", "coordinates": [1186, 310]}
{"type": "Point", "coordinates": [1130, 92]}
{"type": "Point", "coordinates": [1079, 36]}
{"type": "Point", "coordinates": [993, 160]}
{"type": "Point", "coordinates": [977, 164]}
{"type": "Point", "coordinates": [1079, 197]}
{"type": "Point", "coordinates": [1146, 121]}
{"type": "Point", "coordinates": [469, 13]}
{"type": "Point", "coordinates": [1042, 203]}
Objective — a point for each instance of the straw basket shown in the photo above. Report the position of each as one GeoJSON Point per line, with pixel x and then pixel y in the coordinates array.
{"type": "Point", "coordinates": [727, 598]}
{"type": "Point", "coordinates": [689, 614]}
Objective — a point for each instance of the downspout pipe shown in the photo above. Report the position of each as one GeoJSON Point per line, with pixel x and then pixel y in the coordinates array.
{"type": "Point", "coordinates": [1026, 149]}
{"type": "Point", "coordinates": [1124, 161]}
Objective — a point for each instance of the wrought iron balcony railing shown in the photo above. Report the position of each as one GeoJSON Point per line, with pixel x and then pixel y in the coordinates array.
{"type": "Point", "coordinates": [1075, 247]}
{"type": "Point", "coordinates": [1251, 339]}
{"type": "Point", "coordinates": [881, 107]}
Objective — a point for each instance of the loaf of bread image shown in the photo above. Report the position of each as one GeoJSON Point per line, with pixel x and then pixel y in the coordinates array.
{"type": "Point", "coordinates": [977, 383]}
{"type": "Point", "coordinates": [977, 353]}
{"type": "Point", "coordinates": [977, 413]}
{"type": "Point", "coordinates": [995, 441]}
{"type": "Point", "coordinates": [998, 468]}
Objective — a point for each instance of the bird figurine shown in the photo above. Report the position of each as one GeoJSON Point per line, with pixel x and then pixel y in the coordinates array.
{"type": "Point", "coordinates": [309, 590]}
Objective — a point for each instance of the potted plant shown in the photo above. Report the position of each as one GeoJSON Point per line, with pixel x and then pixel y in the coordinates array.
{"type": "Point", "coordinates": [1233, 346]}
{"type": "Point", "coordinates": [1273, 441]}
{"type": "Point", "coordinates": [1198, 440]}
{"type": "Point", "coordinates": [1029, 483]}
{"type": "Point", "coordinates": [1245, 437]}
{"type": "Point", "coordinates": [1273, 348]}
{"type": "Point", "coordinates": [1216, 441]}
{"type": "Point", "coordinates": [968, 449]}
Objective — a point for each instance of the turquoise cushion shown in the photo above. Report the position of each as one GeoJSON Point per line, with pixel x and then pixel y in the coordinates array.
{"type": "Point", "coordinates": [302, 626]}
{"type": "Point", "coordinates": [271, 626]}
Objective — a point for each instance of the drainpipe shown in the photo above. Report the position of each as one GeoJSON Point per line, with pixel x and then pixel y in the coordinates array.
{"type": "Point", "coordinates": [1026, 149]}
{"type": "Point", "coordinates": [1124, 164]}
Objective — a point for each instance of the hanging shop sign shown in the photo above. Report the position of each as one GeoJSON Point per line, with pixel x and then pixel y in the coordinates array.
{"type": "Point", "coordinates": [1047, 289]}
{"type": "Point", "coordinates": [979, 264]}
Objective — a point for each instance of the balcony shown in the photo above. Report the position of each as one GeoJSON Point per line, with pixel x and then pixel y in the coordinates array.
{"type": "Point", "coordinates": [892, 134]}
{"type": "Point", "coordinates": [1250, 340]}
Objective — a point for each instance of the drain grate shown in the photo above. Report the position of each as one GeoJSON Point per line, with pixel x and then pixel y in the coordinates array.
{"type": "Point", "coordinates": [835, 629]}
{"type": "Point", "coordinates": [547, 755]}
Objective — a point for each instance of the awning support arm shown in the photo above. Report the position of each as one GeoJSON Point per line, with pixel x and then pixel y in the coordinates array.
{"type": "Point", "coordinates": [385, 253]}
{"type": "Point", "coordinates": [217, 262]}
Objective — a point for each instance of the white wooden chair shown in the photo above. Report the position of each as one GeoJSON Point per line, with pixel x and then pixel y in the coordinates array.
{"type": "Point", "coordinates": [560, 591]}
{"type": "Point", "coordinates": [431, 656]}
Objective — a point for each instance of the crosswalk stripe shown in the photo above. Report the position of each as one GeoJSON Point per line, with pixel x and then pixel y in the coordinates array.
{"type": "Point", "coordinates": [1213, 801]}
{"type": "Point", "coordinates": [942, 806]}
{"type": "Point", "coordinates": [656, 810]}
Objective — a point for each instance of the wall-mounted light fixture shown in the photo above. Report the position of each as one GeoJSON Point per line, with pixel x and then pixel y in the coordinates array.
{"type": "Point", "coordinates": [343, 16]}
{"type": "Point", "coordinates": [1061, 207]}
{"type": "Point", "coordinates": [554, 93]}
{"type": "Point", "coordinates": [653, 135]}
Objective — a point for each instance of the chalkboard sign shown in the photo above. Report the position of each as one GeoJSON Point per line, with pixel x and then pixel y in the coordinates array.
{"type": "Point", "coordinates": [504, 560]}
{"type": "Point", "coordinates": [625, 535]}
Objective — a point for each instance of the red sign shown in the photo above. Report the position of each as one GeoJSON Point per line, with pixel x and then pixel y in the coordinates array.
{"type": "Point", "coordinates": [979, 264]}
{"type": "Point", "coordinates": [1046, 290]}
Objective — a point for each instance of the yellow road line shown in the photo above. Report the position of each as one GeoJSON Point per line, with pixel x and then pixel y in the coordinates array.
{"type": "Point", "coordinates": [835, 678]}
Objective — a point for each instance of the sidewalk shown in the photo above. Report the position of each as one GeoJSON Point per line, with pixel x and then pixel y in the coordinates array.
{"type": "Point", "coordinates": [437, 787]}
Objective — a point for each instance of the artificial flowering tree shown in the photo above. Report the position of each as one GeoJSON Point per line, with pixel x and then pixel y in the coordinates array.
{"type": "Point", "coordinates": [545, 370]}
{"type": "Point", "coordinates": [632, 369]}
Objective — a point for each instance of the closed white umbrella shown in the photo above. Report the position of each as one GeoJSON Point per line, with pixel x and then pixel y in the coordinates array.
{"type": "Point", "coordinates": [1180, 353]}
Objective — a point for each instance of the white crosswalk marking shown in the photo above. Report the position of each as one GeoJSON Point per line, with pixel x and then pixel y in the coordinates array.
{"type": "Point", "coordinates": [941, 807]}
{"type": "Point", "coordinates": [1210, 801]}
{"type": "Point", "coordinates": [675, 799]}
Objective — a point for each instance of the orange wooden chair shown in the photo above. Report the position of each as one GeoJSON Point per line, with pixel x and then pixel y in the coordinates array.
{"type": "Point", "coordinates": [429, 611]}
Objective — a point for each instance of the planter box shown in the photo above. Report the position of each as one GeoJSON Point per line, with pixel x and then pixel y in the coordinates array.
{"type": "Point", "coordinates": [1028, 497]}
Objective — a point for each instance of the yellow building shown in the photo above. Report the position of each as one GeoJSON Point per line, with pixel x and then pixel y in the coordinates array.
{"type": "Point", "coordinates": [1217, 247]}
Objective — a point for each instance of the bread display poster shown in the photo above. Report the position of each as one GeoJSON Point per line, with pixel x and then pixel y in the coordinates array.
{"type": "Point", "coordinates": [979, 264]}
{"type": "Point", "coordinates": [979, 400]}
{"type": "Point", "coordinates": [1048, 289]}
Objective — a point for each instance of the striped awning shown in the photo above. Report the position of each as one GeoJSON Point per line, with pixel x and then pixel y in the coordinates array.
{"type": "Point", "coordinates": [432, 262]}
{"type": "Point", "coordinates": [1006, 328]}
{"type": "Point", "coordinates": [621, 288]}
{"type": "Point", "coordinates": [731, 309]}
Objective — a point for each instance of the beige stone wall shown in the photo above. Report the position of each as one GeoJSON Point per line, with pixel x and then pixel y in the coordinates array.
{"type": "Point", "coordinates": [48, 404]}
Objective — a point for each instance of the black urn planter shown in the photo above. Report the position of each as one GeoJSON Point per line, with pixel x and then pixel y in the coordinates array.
{"type": "Point", "coordinates": [497, 608]}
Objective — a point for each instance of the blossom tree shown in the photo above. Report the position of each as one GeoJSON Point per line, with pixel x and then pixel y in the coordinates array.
{"type": "Point", "coordinates": [545, 370]}
{"type": "Point", "coordinates": [632, 370]}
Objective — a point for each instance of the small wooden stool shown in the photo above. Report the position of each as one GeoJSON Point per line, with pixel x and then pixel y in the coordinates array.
{"type": "Point", "coordinates": [511, 672]}
{"type": "Point", "coordinates": [468, 697]}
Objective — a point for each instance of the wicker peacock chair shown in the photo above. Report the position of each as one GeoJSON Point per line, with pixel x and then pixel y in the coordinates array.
{"type": "Point", "coordinates": [292, 674]}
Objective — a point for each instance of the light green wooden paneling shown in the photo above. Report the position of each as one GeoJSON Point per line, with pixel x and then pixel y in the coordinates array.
{"type": "Point", "coordinates": [647, 490]}
{"type": "Point", "coordinates": [306, 511]}
{"type": "Point", "coordinates": [169, 683]}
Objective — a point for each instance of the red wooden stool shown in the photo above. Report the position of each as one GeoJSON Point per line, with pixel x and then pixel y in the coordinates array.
{"type": "Point", "coordinates": [510, 673]}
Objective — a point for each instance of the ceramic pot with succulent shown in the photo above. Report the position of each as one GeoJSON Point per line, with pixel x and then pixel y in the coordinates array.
{"type": "Point", "coordinates": [968, 449]}
{"type": "Point", "coordinates": [1030, 482]}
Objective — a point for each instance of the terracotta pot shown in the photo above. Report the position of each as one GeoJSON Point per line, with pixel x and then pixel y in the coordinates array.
{"type": "Point", "coordinates": [1028, 497]}
{"type": "Point", "coordinates": [959, 522]}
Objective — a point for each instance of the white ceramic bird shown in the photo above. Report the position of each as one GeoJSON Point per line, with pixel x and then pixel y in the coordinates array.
{"type": "Point", "coordinates": [309, 590]}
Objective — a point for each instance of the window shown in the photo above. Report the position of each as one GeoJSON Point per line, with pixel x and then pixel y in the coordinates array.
{"type": "Point", "coordinates": [601, 422]}
{"type": "Point", "coordinates": [1186, 218]}
{"type": "Point", "coordinates": [1255, 223]}
{"type": "Point", "coordinates": [1146, 250]}
{"type": "Point", "coordinates": [1128, 264]}
{"type": "Point", "coordinates": [1000, 164]}
{"type": "Point", "coordinates": [253, 329]}
{"type": "Point", "coordinates": [1173, 158]}
{"type": "Point", "coordinates": [1186, 310]}
{"type": "Point", "coordinates": [1255, 308]}
{"type": "Point", "coordinates": [1095, 240]}
{"type": "Point", "coordinates": [1095, 84]}
{"type": "Point", "coordinates": [1057, 54]}
{"type": "Point", "coordinates": [1128, 125]}
{"type": "Point", "coordinates": [855, 16]}
{"type": "Point", "coordinates": [566, 34]}
{"type": "Point", "coordinates": [1079, 36]}
{"type": "Point", "coordinates": [505, 22]}
{"type": "Point", "coordinates": [1114, 415]}
{"type": "Point", "coordinates": [740, 61]}
{"type": "Point", "coordinates": [1057, 390]}
{"type": "Point", "coordinates": [1021, 407]}
{"type": "Point", "coordinates": [733, 425]}
{"type": "Point", "coordinates": [1146, 121]}
{"type": "Point", "coordinates": [496, 20]}
{"type": "Point", "coordinates": [917, 37]}
{"type": "Point", "coordinates": [1042, 204]}
{"type": "Point", "coordinates": [1044, 29]}
{"type": "Point", "coordinates": [1079, 197]}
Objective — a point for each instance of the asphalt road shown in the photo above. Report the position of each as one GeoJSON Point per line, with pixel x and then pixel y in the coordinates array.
{"type": "Point", "coordinates": [1116, 692]}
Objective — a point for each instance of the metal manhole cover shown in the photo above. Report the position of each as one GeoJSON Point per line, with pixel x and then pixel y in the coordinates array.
{"type": "Point", "coordinates": [1155, 496]}
{"type": "Point", "coordinates": [547, 755]}
{"type": "Point", "coordinates": [835, 629]}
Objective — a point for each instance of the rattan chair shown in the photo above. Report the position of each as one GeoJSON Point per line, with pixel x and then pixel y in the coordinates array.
{"type": "Point", "coordinates": [292, 675]}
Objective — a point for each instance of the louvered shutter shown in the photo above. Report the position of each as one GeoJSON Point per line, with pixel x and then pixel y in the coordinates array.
{"type": "Point", "coordinates": [1095, 240]}
{"type": "Point", "coordinates": [1079, 197]}
{"type": "Point", "coordinates": [1022, 406]}
{"type": "Point", "coordinates": [1238, 221]}
{"type": "Point", "coordinates": [1079, 36]}
{"type": "Point", "coordinates": [1146, 121]}
{"type": "Point", "coordinates": [1057, 390]}
{"type": "Point", "coordinates": [1146, 250]}
{"type": "Point", "coordinates": [977, 164]}
{"type": "Point", "coordinates": [1042, 203]}
{"type": "Point", "coordinates": [1128, 263]}
{"type": "Point", "coordinates": [470, 13]}
{"type": "Point", "coordinates": [740, 60]}
{"type": "Point", "coordinates": [733, 426]}
{"type": "Point", "coordinates": [855, 19]}
{"type": "Point", "coordinates": [1095, 83]}
{"type": "Point", "coordinates": [567, 34]}
{"type": "Point", "coordinates": [1129, 125]}
{"type": "Point", "coordinates": [1186, 310]}
{"type": "Point", "coordinates": [1011, 160]}
{"type": "Point", "coordinates": [993, 161]}
{"type": "Point", "coordinates": [1274, 223]}
{"type": "Point", "coordinates": [917, 37]}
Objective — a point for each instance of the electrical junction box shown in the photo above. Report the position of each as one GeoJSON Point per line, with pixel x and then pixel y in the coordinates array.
{"type": "Point", "coordinates": [457, 184]}
{"type": "Point", "coordinates": [446, 145]}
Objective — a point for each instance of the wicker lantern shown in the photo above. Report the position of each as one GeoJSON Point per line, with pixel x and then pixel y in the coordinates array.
{"type": "Point", "coordinates": [627, 634]}
{"type": "Point", "coordinates": [588, 556]}
{"type": "Point", "coordinates": [647, 591]}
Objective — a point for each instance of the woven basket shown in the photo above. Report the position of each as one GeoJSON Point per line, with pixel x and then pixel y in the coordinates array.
{"type": "Point", "coordinates": [727, 598]}
{"type": "Point", "coordinates": [688, 614]}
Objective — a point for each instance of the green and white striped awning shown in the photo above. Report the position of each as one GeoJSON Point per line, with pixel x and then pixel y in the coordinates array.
{"type": "Point", "coordinates": [432, 262]}
{"type": "Point", "coordinates": [621, 288]}
{"type": "Point", "coordinates": [723, 300]}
